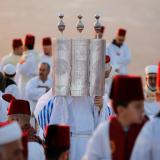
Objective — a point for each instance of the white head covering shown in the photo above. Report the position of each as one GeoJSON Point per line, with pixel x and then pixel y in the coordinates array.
{"type": "Point", "coordinates": [151, 69]}
{"type": "Point", "coordinates": [9, 132]}
{"type": "Point", "coordinates": [9, 69]}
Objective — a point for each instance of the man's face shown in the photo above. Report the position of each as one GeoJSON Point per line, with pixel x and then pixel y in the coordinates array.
{"type": "Point", "coordinates": [47, 50]}
{"type": "Point", "coordinates": [43, 71]}
{"type": "Point", "coordinates": [19, 51]}
{"type": "Point", "coordinates": [134, 112]}
{"type": "Point", "coordinates": [12, 151]}
{"type": "Point", "coordinates": [120, 40]}
{"type": "Point", "coordinates": [23, 120]}
{"type": "Point", "coordinates": [151, 79]}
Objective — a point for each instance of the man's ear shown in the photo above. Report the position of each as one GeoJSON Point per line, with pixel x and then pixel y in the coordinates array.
{"type": "Point", "coordinates": [120, 109]}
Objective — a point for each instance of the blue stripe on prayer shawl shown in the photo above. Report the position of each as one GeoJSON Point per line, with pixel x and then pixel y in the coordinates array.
{"type": "Point", "coordinates": [45, 114]}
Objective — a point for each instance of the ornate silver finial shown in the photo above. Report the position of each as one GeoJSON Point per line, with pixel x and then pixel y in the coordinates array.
{"type": "Point", "coordinates": [97, 25]}
{"type": "Point", "coordinates": [61, 25]}
{"type": "Point", "coordinates": [80, 25]}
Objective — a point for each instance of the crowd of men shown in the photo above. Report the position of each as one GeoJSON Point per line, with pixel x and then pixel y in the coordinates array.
{"type": "Point", "coordinates": [35, 124]}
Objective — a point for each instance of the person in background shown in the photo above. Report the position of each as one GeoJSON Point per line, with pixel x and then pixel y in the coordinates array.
{"type": "Point", "coordinates": [151, 106]}
{"type": "Point", "coordinates": [57, 142]}
{"type": "Point", "coordinates": [14, 57]}
{"type": "Point", "coordinates": [46, 56]}
{"type": "Point", "coordinates": [119, 52]}
{"type": "Point", "coordinates": [11, 87]}
{"type": "Point", "coordinates": [10, 142]}
{"type": "Point", "coordinates": [27, 67]}
{"type": "Point", "coordinates": [38, 85]}
{"type": "Point", "coordinates": [147, 144]}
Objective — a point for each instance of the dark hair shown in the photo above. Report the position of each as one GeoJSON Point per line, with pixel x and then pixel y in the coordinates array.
{"type": "Point", "coordinates": [30, 46]}
{"type": "Point", "coordinates": [48, 66]}
{"type": "Point", "coordinates": [54, 154]}
{"type": "Point", "coordinates": [120, 103]}
{"type": "Point", "coordinates": [2, 82]}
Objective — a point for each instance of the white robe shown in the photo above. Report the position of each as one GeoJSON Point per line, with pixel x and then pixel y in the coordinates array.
{"type": "Point", "coordinates": [33, 90]}
{"type": "Point", "coordinates": [147, 146]}
{"type": "Point", "coordinates": [35, 151]}
{"type": "Point", "coordinates": [151, 108]}
{"type": "Point", "coordinates": [120, 57]}
{"type": "Point", "coordinates": [13, 90]}
{"type": "Point", "coordinates": [3, 108]}
{"type": "Point", "coordinates": [98, 147]}
{"type": "Point", "coordinates": [27, 70]}
{"type": "Point", "coordinates": [82, 116]}
{"type": "Point", "coordinates": [45, 59]}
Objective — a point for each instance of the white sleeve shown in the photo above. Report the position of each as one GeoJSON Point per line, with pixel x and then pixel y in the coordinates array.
{"type": "Point", "coordinates": [98, 146]}
{"type": "Point", "coordinates": [26, 67]}
{"type": "Point", "coordinates": [142, 148]}
{"type": "Point", "coordinates": [32, 91]}
{"type": "Point", "coordinates": [59, 113]}
{"type": "Point", "coordinates": [3, 110]}
{"type": "Point", "coordinates": [125, 59]}
{"type": "Point", "coordinates": [13, 89]}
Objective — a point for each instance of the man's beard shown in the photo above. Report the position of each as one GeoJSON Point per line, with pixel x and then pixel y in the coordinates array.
{"type": "Point", "coordinates": [151, 88]}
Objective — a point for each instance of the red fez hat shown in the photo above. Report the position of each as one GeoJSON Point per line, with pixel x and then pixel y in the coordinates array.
{"type": "Point", "coordinates": [108, 59]}
{"type": "Point", "coordinates": [158, 78]}
{"type": "Point", "coordinates": [16, 43]}
{"type": "Point", "coordinates": [19, 107]}
{"type": "Point", "coordinates": [126, 88]}
{"type": "Point", "coordinates": [58, 137]}
{"type": "Point", "coordinates": [29, 40]}
{"type": "Point", "coordinates": [8, 97]}
{"type": "Point", "coordinates": [121, 32]}
{"type": "Point", "coordinates": [46, 41]}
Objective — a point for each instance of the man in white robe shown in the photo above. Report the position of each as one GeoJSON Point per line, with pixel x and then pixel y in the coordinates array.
{"type": "Point", "coordinates": [46, 56]}
{"type": "Point", "coordinates": [151, 106]}
{"type": "Point", "coordinates": [15, 55]}
{"type": "Point", "coordinates": [82, 115]}
{"type": "Point", "coordinates": [119, 53]}
{"type": "Point", "coordinates": [109, 140]}
{"type": "Point", "coordinates": [27, 67]}
{"type": "Point", "coordinates": [38, 85]}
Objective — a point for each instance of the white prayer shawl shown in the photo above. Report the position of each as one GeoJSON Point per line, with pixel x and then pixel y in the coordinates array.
{"type": "Point", "coordinates": [151, 108]}
{"type": "Point", "coordinates": [147, 144]}
{"type": "Point", "coordinates": [42, 101]}
{"type": "Point", "coordinates": [35, 88]}
{"type": "Point", "coordinates": [3, 110]}
{"type": "Point", "coordinates": [35, 151]}
{"type": "Point", "coordinates": [120, 57]}
{"type": "Point", "coordinates": [27, 70]}
{"type": "Point", "coordinates": [82, 116]}
{"type": "Point", "coordinates": [98, 147]}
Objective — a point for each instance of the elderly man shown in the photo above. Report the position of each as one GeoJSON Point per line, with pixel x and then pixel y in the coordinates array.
{"type": "Point", "coordinates": [119, 52]}
{"type": "Point", "coordinates": [10, 141]}
{"type": "Point", "coordinates": [19, 110]}
{"type": "Point", "coordinates": [147, 145]}
{"type": "Point", "coordinates": [57, 142]}
{"type": "Point", "coordinates": [15, 55]}
{"type": "Point", "coordinates": [28, 65]}
{"type": "Point", "coordinates": [38, 85]}
{"type": "Point", "coordinates": [151, 106]}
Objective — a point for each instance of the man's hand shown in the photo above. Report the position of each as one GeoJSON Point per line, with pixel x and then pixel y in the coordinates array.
{"type": "Point", "coordinates": [98, 101]}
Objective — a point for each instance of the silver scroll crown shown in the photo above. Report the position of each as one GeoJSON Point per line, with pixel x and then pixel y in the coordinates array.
{"type": "Point", "coordinates": [80, 25]}
{"type": "Point", "coordinates": [61, 25]}
{"type": "Point", "coordinates": [97, 25]}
